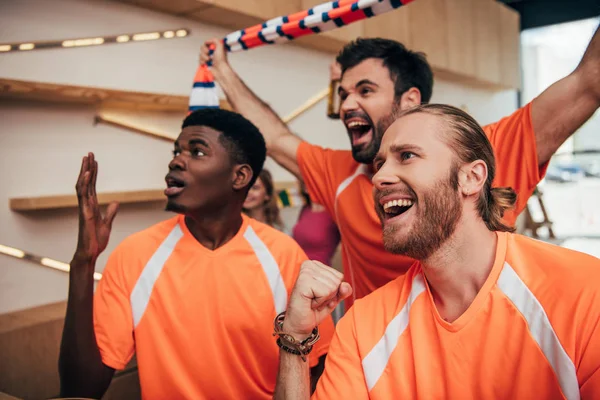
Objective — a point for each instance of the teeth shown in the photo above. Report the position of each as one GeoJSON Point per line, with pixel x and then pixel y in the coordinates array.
{"type": "Point", "coordinates": [397, 203]}
{"type": "Point", "coordinates": [356, 123]}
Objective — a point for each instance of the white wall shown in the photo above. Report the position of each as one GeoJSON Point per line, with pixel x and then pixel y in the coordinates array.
{"type": "Point", "coordinates": [41, 145]}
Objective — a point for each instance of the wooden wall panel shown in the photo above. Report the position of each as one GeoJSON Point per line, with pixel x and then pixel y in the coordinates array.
{"type": "Point", "coordinates": [427, 24]}
{"type": "Point", "coordinates": [461, 36]}
{"type": "Point", "coordinates": [470, 41]}
{"type": "Point", "coordinates": [510, 52]}
{"type": "Point", "coordinates": [487, 41]}
{"type": "Point", "coordinates": [392, 25]}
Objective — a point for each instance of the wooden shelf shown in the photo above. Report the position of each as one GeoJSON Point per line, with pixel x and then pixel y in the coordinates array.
{"type": "Point", "coordinates": [109, 98]}
{"type": "Point", "coordinates": [70, 200]}
{"type": "Point", "coordinates": [127, 197]}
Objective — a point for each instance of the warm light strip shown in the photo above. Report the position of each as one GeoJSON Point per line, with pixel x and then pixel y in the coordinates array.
{"type": "Point", "coordinates": [45, 261]}
{"type": "Point", "coordinates": [95, 41]}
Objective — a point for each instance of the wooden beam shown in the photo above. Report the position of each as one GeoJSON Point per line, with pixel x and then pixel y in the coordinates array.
{"type": "Point", "coordinates": [70, 200]}
{"type": "Point", "coordinates": [119, 124]}
{"type": "Point", "coordinates": [58, 93]}
{"type": "Point", "coordinates": [125, 197]}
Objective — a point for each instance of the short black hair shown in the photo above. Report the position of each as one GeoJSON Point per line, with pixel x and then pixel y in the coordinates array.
{"type": "Point", "coordinates": [240, 137]}
{"type": "Point", "coordinates": [407, 68]}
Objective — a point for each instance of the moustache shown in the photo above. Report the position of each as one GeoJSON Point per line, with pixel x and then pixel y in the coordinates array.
{"type": "Point", "coordinates": [379, 194]}
{"type": "Point", "coordinates": [358, 114]}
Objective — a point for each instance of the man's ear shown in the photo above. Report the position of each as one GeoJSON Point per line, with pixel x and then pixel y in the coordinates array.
{"type": "Point", "coordinates": [472, 177]}
{"type": "Point", "coordinates": [242, 175]}
{"type": "Point", "coordinates": [411, 98]}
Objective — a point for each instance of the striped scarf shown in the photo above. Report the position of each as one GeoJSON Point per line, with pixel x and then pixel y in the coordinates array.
{"type": "Point", "coordinates": [321, 18]}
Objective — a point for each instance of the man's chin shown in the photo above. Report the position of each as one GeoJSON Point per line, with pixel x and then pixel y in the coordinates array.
{"type": "Point", "coordinates": [364, 154]}
{"type": "Point", "coordinates": [175, 207]}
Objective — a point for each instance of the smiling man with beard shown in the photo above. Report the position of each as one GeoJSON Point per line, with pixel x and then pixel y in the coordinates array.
{"type": "Point", "coordinates": [378, 76]}
{"type": "Point", "coordinates": [191, 296]}
{"type": "Point", "coordinates": [481, 314]}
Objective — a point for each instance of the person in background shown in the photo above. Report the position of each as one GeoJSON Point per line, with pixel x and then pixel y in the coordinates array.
{"type": "Point", "coordinates": [261, 202]}
{"type": "Point", "coordinates": [317, 234]}
{"type": "Point", "coordinates": [315, 231]}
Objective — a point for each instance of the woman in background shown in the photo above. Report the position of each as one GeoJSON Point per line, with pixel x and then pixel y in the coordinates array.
{"type": "Point", "coordinates": [315, 231]}
{"type": "Point", "coordinates": [318, 235]}
{"type": "Point", "coordinates": [261, 203]}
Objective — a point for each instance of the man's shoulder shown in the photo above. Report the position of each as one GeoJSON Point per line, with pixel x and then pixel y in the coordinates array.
{"type": "Point", "coordinates": [338, 158]}
{"type": "Point", "coordinates": [397, 292]}
{"type": "Point", "coordinates": [149, 238]}
{"type": "Point", "coordinates": [548, 268]}
{"type": "Point", "coordinates": [276, 241]}
{"type": "Point", "coordinates": [521, 117]}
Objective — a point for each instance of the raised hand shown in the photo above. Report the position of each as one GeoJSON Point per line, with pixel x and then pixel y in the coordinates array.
{"type": "Point", "coordinates": [318, 290]}
{"type": "Point", "coordinates": [94, 229]}
{"type": "Point", "coordinates": [218, 56]}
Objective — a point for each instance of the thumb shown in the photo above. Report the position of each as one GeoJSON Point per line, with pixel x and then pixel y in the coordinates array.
{"type": "Point", "coordinates": [345, 291]}
{"type": "Point", "coordinates": [111, 213]}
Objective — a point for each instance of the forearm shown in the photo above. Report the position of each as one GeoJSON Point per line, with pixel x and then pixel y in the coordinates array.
{"type": "Point", "coordinates": [82, 372]}
{"type": "Point", "coordinates": [293, 380]}
{"type": "Point", "coordinates": [281, 143]}
{"type": "Point", "coordinates": [249, 105]}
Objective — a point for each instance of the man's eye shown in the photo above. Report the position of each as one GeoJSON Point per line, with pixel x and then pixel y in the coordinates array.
{"type": "Point", "coordinates": [176, 153]}
{"type": "Point", "coordinates": [197, 153]}
{"type": "Point", "coordinates": [365, 91]}
{"type": "Point", "coordinates": [407, 155]}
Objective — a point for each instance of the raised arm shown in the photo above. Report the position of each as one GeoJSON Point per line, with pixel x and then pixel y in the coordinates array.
{"type": "Point", "coordinates": [82, 372]}
{"type": "Point", "coordinates": [566, 105]}
{"type": "Point", "coordinates": [282, 144]}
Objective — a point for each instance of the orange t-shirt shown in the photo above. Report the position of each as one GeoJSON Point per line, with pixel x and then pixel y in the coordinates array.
{"type": "Point", "coordinates": [344, 187]}
{"type": "Point", "coordinates": [197, 318]}
{"type": "Point", "coordinates": [532, 332]}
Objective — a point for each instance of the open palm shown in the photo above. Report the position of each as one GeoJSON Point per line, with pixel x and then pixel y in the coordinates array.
{"type": "Point", "coordinates": [94, 229]}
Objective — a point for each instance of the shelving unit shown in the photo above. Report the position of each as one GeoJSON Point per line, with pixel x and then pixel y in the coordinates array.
{"type": "Point", "coordinates": [12, 89]}
{"type": "Point", "coordinates": [33, 203]}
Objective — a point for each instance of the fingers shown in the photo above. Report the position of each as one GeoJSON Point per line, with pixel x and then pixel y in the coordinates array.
{"type": "Point", "coordinates": [207, 49]}
{"type": "Point", "coordinates": [111, 213]}
{"type": "Point", "coordinates": [94, 172]}
{"type": "Point", "coordinates": [320, 284]}
{"type": "Point", "coordinates": [79, 186]}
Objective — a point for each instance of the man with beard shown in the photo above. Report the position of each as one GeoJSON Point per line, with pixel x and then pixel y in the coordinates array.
{"type": "Point", "coordinates": [192, 296]}
{"type": "Point", "coordinates": [482, 313]}
{"type": "Point", "coordinates": [378, 76]}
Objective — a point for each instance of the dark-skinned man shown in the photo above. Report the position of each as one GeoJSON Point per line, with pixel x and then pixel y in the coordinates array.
{"type": "Point", "coordinates": [191, 296]}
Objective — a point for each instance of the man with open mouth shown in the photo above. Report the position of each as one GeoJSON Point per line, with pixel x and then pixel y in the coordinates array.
{"type": "Point", "coordinates": [379, 76]}
{"type": "Point", "coordinates": [192, 296]}
{"type": "Point", "coordinates": [481, 314]}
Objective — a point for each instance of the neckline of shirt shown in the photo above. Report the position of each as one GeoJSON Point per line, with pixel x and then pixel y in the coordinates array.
{"type": "Point", "coordinates": [481, 297]}
{"type": "Point", "coordinates": [232, 243]}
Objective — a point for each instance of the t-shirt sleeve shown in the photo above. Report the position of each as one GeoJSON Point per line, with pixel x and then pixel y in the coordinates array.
{"type": "Point", "coordinates": [314, 162]}
{"type": "Point", "coordinates": [113, 321]}
{"type": "Point", "coordinates": [343, 377]}
{"type": "Point", "coordinates": [517, 166]}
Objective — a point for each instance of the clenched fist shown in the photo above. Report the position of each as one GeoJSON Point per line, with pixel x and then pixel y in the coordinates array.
{"type": "Point", "coordinates": [318, 290]}
{"type": "Point", "coordinates": [218, 55]}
